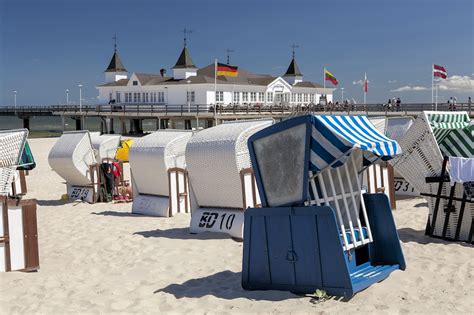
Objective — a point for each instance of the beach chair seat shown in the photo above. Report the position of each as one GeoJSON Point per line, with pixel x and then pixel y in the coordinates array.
{"type": "Point", "coordinates": [317, 228]}
{"type": "Point", "coordinates": [12, 143]}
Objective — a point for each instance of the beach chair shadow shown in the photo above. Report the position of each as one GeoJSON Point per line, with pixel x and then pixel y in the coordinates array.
{"type": "Point", "coordinates": [224, 285]}
{"type": "Point", "coordinates": [410, 235]}
{"type": "Point", "coordinates": [181, 234]}
{"type": "Point", "coordinates": [53, 203]}
{"type": "Point", "coordinates": [116, 214]}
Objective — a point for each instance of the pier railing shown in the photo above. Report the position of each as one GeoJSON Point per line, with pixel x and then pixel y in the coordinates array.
{"type": "Point", "coordinates": [221, 110]}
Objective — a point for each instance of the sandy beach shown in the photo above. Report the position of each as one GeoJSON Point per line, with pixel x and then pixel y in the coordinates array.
{"type": "Point", "coordinates": [102, 259]}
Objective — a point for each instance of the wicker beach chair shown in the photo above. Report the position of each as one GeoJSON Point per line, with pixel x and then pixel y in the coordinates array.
{"type": "Point", "coordinates": [218, 162]}
{"type": "Point", "coordinates": [433, 137]}
{"type": "Point", "coordinates": [72, 157]}
{"type": "Point", "coordinates": [159, 178]}
{"type": "Point", "coordinates": [317, 228]}
{"type": "Point", "coordinates": [12, 143]}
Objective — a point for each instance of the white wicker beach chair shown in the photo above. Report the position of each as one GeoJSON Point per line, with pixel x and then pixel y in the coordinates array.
{"type": "Point", "coordinates": [158, 173]}
{"type": "Point", "coordinates": [105, 146]}
{"type": "Point", "coordinates": [12, 143]}
{"type": "Point", "coordinates": [217, 161]}
{"type": "Point", "coordinates": [433, 136]}
{"type": "Point", "coordinates": [73, 158]}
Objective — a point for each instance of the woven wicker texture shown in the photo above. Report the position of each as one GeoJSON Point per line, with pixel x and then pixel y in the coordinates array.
{"type": "Point", "coordinates": [214, 159]}
{"type": "Point", "coordinates": [151, 156]}
{"type": "Point", "coordinates": [380, 123]}
{"type": "Point", "coordinates": [11, 147]}
{"type": "Point", "coordinates": [105, 146]}
{"type": "Point", "coordinates": [71, 157]}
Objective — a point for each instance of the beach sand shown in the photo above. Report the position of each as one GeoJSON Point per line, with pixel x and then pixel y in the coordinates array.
{"type": "Point", "coordinates": [102, 259]}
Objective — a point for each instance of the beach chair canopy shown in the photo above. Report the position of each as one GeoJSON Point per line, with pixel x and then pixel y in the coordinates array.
{"type": "Point", "coordinates": [152, 156]}
{"type": "Point", "coordinates": [453, 133]}
{"type": "Point", "coordinates": [214, 159]}
{"type": "Point", "coordinates": [71, 157]}
{"type": "Point", "coordinates": [123, 149]}
{"type": "Point", "coordinates": [27, 161]}
{"type": "Point", "coordinates": [105, 146]}
{"type": "Point", "coordinates": [397, 127]}
{"type": "Point", "coordinates": [284, 154]}
{"type": "Point", "coordinates": [334, 137]}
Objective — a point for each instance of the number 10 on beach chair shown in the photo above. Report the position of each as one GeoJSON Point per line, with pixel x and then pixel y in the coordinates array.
{"type": "Point", "coordinates": [317, 228]}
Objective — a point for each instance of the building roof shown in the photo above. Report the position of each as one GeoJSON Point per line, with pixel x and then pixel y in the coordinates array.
{"type": "Point", "coordinates": [206, 75]}
{"type": "Point", "coordinates": [293, 69]}
{"type": "Point", "coordinates": [184, 60]}
{"type": "Point", "coordinates": [115, 64]}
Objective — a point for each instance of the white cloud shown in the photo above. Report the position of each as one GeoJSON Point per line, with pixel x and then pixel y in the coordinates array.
{"type": "Point", "coordinates": [457, 83]}
{"type": "Point", "coordinates": [392, 81]}
{"type": "Point", "coordinates": [359, 82]}
{"type": "Point", "coordinates": [408, 88]}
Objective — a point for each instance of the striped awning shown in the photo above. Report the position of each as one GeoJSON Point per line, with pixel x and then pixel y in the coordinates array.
{"type": "Point", "coordinates": [453, 133]}
{"type": "Point", "coordinates": [334, 137]}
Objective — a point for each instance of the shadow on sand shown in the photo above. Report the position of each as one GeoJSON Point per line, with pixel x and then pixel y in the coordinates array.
{"type": "Point", "coordinates": [182, 234]}
{"type": "Point", "coordinates": [227, 285]}
{"type": "Point", "coordinates": [53, 203]}
{"type": "Point", "coordinates": [117, 214]}
{"type": "Point", "coordinates": [410, 235]}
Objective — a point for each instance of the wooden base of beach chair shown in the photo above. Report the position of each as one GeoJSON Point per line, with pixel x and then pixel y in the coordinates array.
{"type": "Point", "coordinates": [299, 249]}
{"type": "Point", "coordinates": [18, 235]}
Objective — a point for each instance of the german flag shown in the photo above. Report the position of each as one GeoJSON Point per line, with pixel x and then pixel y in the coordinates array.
{"type": "Point", "coordinates": [328, 76]}
{"type": "Point", "coordinates": [226, 70]}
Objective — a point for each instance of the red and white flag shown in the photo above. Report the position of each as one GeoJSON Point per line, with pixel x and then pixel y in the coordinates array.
{"type": "Point", "coordinates": [366, 84]}
{"type": "Point", "coordinates": [439, 71]}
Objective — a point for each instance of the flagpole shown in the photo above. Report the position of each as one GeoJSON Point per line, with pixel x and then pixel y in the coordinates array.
{"type": "Point", "coordinates": [215, 90]}
{"type": "Point", "coordinates": [324, 78]}
{"type": "Point", "coordinates": [432, 83]}
{"type": "Point", "coordinates": [436, 98]}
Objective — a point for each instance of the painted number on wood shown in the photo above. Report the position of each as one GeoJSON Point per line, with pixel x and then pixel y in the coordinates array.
{"type": "Point", "coordinates": [209, 219]}
{"type": "Point", "coordinates": [401, 185]}
{"type": "Point", "coordinates": [79, 193]}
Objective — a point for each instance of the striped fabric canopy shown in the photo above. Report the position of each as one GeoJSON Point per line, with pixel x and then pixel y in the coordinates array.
{"type": "Point", "coordinates": [334, 137]}
{"type": "Point", "coordinates": [453, 133]}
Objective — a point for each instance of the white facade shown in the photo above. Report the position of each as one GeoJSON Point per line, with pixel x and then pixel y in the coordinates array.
{"type": "Point", "coordinates": [277, 92]}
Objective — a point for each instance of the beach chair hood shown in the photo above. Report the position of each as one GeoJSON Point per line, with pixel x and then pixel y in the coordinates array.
{"type": "Point", "coordinates": [284, 154]}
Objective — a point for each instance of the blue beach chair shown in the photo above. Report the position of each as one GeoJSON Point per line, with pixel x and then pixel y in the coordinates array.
{"type": "Point", "coordinates": [317, 228]}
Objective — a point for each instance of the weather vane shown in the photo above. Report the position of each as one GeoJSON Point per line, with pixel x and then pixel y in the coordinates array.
{"type": "Point", "coordinates": [185, 32]}
{"type": "Point", "coordinates": [228, 55]}
{"type": "Point", "coordinates": [293, 48]}
{"type": "Point", "coordinates": [115, 42]}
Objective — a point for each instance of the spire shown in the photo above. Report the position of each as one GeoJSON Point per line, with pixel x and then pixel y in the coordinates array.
{"type": "Point", "coordinates": [184, 60]}
{"type": "Point", "coordinates": [115, 64]}
{"type": "Point", "coordinates": [293, 69]}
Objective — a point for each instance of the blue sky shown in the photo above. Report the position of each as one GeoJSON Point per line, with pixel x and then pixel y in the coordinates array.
{"type": "Point", "coordinates": [49, 46]}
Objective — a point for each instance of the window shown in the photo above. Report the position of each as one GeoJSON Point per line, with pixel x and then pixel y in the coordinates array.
{"type": "Point", "coordinates": [130, 97]}
{"type": "Point", "coordinates": [135, 98]}
{"type": "Point", "coordinates": [293, 97]}
{"type": "Point", "coordinates": [269, 96]}
{"type": "Point", "coordinates": [236, 97]}
{"type": "Point", "coordinates": [139, 97]}
{"type": "Point", "coordinates": [145, 97]}
{"type": "Point", "coordinates": [299, 97]}
{"type": "Point", "coordinates": [245, 96]}
{"type": "Point", "coordinates": [261, 96]}
{"type": "Point", "coordinates": [117, 97]}
{"type": "Point", "coordinates": [161, 97]}
{"type": "Point", "coordinates": [190, 96]}
{"type": "Point", "coordinates": [219, 96]}
{"type": "Point", "coordinates": [311, 98]}
{"type": "Point", "coordinates": [253, 96]}
{"type": "Point", "coordinates": [305, 98]}
{"type": "Point", "coordinates": [135, 82]}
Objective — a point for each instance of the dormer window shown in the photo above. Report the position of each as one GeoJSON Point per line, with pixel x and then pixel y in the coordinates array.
{"type": "Point", "coordinates": [135, 82]}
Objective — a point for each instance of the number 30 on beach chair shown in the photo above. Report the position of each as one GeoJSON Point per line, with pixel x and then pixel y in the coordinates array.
{"type": "Point", "coordinates": [317, 228]}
